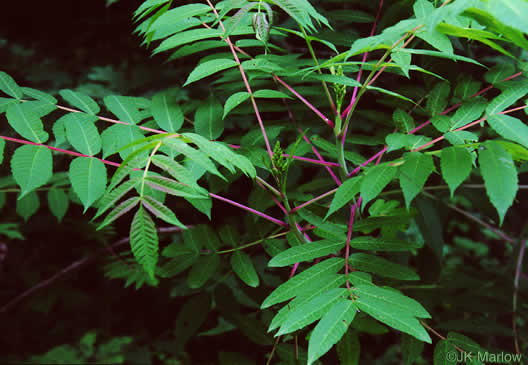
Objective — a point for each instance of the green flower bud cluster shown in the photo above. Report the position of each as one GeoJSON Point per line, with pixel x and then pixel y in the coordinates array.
{"type": "Point", "coordinates": [279, 162]}
{"type": "Point", "coordinates": [339, 89]}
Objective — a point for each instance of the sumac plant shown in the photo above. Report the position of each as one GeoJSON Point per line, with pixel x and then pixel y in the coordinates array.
{"type": "Point", "coordinates": [371, 154]}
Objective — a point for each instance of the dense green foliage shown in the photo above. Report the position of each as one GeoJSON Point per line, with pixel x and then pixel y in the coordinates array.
{"type": "Point", "coordinates": [374, 181]}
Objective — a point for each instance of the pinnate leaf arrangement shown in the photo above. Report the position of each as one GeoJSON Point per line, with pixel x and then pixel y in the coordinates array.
{"type": "Point", "coordinates": [343, 138]}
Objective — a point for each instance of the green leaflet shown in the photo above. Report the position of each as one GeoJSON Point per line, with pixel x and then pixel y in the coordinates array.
{"type": "Point", "coordinates": [234, 100]}
{"type": "Point", "coordinates": [399, 302]}
{"type": "Point", "coordinates": [58, 203]}
{"type": "Point", "coordinates": [298, 283]}
{"type": "Point", "coordinates": [223, 155]}
{"type": "Point", "coordinates": [380, 266]}
{"type": "Point", "coordinates": [88, 179]}
{"type": "Point", "coordinates": [161, 211]}
{"type": "Point", "coordinates": [510, 128]}
{"type": "Point", "coordinates": [437, 100]}
{"type": "Point", "coordinates": [402, 59]}
{"type": "Point", "coordinates": [189, 36]}
{"type": "Point", "coordinates": [375, 180]}
{"type": "Point", "coordinates": [27, 205]}
{"type": "Point", "coordinates": [82, 132]}
{"type": "Point", "coordinates": [173, 187]}
{"type": "Point", "coordinates": [80, 100]}
{"type": "Point", "coordinates": [306, 252]}
{"type": "Point", "coordinates": [41, 108]}
{"type": "Point", "coordinates": [500, 176]}
{"type": "Point", "coordinates": [414, 173]}
{"type": "Point", "coordinates": [498, 73]}
{"type": "Point", "coordinates": [428, 52]}
{"type": "Point", "coordinates": [270, 94]}
{"type": "Point", "coordinates": [331, 328]}
{"type": "Point", "coordinates": [232, 22]}
{"type": "Point", "coordinates": [403, 120]}
{"type": "Point", "coordinates": [202, 270]}
{"type": "Point", "coordinates": [166, 112]}
{"type": "Point", "coordinates": [456, 164]}
{"type": "Point", "coordinates": [470, 33]}
{"type": "Point", "coordinates": [470, 111]}
{"type": "Point", "coordinates": [39, 95]}
{"type": "Point", "coordinates": [197, 156]}
{"type": "Point", "coordinates": [466, 88]}
{"type": "Point", "coordinates": [391, 93]}
{"type": "Point", "coordinates": [5, 102]}
{"type": "Point", "coordinates": [31, 167]}
{"type": "Point", "coordinates": [144, 241]}
{"type": "Point", "coordinates": [254, 137]}
{"type": "Point", "coordinates": [123, 108]}
{"type": "Point", "coordinates": [322, 225]}
{"type": "Point", "coordinates": [26, 122]}
{"type": "Point", "coordinates": [460, 137]}
{"type": "Point", "coordinates": [441, 122]}
{"type": "Point", "coordinates": [117, 136]}
{"type": "Point", "coordinates": [184, 258]}
{"type": "Point", "coordinates": [395, 141]}
{"type": "Point", "coordinates": [111, 197]}
{"type": "Point", "coordinates": [318, 287]}
{"type": "Point", "coordinates": [176, 170]}
{"type": "Point", "coordinates": [303, 12]}
{"type": "Point", "coordinates": [208, 68]}
{"type": "Point", "coordinates": [392, 308]}
{"type": "Point", "coordinates": [178, 14]}
{"type": "Point", "coordinates": [9, 86]}
{"type": "Point", "coordinates": [507, 97]}
{"type": "Point", "coordinates": [309, 312]}
{"type": "Point", "coordinates": [208, 121]}
{"type": "Point", "coordinates": [382, 244]}
{"type": "Point", "coordinates": [345, 193]}
{"type": "Point", "coordinates": [123, 208]}
{"type": "Point", "coordinates": [464, 342]}
{"type": "Point", "coordinates": [243, 267]}
{"type": "Point", "coordinates": [510, 12]}
{"type": "Point", "coordinates": [147, 7]}
{"type": "Point", "coordinates": [196, 47]}
{"type": "Point", "coordinates": [425, 12]}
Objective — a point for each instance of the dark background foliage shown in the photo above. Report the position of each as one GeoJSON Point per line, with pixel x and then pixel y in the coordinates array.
{"type": "Point", "coordinates": [51, 45]}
